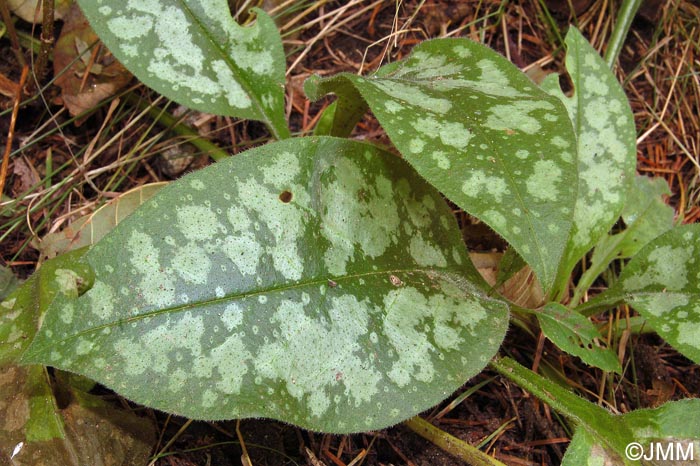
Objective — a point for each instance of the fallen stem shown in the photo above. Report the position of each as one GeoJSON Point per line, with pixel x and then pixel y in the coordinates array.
{"type": "Point", "coordinates": [450, 444]}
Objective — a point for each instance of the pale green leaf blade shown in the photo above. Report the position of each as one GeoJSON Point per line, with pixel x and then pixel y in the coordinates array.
{"type": "Point", "coordinates": [676, 423]}
{"type": "Point", "coordinates": [586, 449]}
{"type": "Point", "coordinates": [193, 52]}
{"type": "Point", "coordinates": [606, 141]}
{"type": "Point", "coordinates": [483, 134]}
{"type": "Point", "coordinates": [319, 281]}
{"type": "Point", "coordinates": [646, 215]}
{"type": "Point", "coordinates": [576, 335]}
{"type": "Point", "coordinates": [89, 229]}
{"type": "Point", "coordinates": [662, 282]}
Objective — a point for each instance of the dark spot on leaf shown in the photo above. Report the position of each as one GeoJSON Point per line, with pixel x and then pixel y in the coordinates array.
{"type": "Point", "coordinates": [331, 283]}
{"type": "Point", "coordinates": [286, 196]}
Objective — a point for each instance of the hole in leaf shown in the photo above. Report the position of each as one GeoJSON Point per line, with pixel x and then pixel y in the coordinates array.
{"type": "Point", "coordinates": [286, 196]}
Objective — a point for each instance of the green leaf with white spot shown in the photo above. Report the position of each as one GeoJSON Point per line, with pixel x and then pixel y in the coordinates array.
{"type": "Point", "coordinates": [483, 134]}
{"type": "Point", "coordinates": [606, 141]}
{"type": "Point", "coordinates": [318, 281]}
{"type": "Point", "coordinates": [674, 424]}
{"type": "Point", "coordinates": [662, 282]}
{"type": "Point", "coordinates": [22, 311]}
{"type": "Point", "coordinates": [646, 216]}
{"type": "Point", "coordinates": [192, 51]}
{"type": "Point", "coordinates": [576, 335]}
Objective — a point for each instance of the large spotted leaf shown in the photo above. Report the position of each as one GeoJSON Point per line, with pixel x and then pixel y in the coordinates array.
{"type": "Point", "coordinates": [482, 133]}
{"type": "Point", "coordinates": [606, 140]}
{"type": "Point", "coordinates": [318, 281]}
{"type": "Point", "coordinates": [662, 282]}
{"type": "Point", "coordinates": [193, 52]}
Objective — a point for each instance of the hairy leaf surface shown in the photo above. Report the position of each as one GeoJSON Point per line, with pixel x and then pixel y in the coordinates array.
{"type": "Point", "coordinates": [576, 335]}
{"type": "Point", "coordinates": [598, 422]}
{"type": "Point", "coordinates": [319, 281]}
{"type": "Point", "coordinates": [662, 282]}
{"type": "Point", "coordinates": [586, 448]}
{"type": "Point", "coordinates": [193, 52]}
{"type": "Point", "coordinates": [482, 133]}
{"type": "Point", "coordinates": [606, 141]}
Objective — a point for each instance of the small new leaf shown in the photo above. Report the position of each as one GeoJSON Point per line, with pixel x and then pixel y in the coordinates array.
{"type": "Point", "coordinates": [576, 335]}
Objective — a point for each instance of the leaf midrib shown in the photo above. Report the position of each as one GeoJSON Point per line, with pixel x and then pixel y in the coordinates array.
{"type": "Point", "coordinates": [188, 306]}
{"type": "Point", "coordinates": [239, 74]}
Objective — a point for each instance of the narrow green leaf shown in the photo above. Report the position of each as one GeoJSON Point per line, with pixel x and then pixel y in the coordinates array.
{"type": "Point", "coordinates": [192, 51]}
{"type": "Point", "coordinates": [576, 335]}
{"type": "Point", "coordinates": [324, 126]}
{"type": "Point", "coordinates": [598, 422]}
{"type": "Point", "coordinates": [606, 137]}
{"type": "Point", "coordinates": [482, 133]}
{"type": "Point", "coordinates": [662, 282]}
{"type": "Point", "coordinates": [43, 422]}
{"type": "Point", "coordinates": [319, 281]}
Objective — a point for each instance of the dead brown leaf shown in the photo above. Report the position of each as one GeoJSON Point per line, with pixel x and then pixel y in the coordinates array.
{"type": "Point", "coordinates": [95, 75]}
{"type": "Point", "coordinates": [26, 175]}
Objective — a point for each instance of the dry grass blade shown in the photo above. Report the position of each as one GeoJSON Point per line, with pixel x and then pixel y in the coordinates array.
{"type": "Point", "coordinates": [11, 131]}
